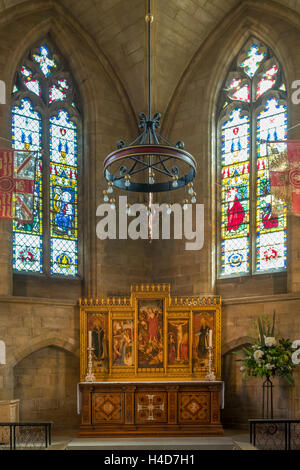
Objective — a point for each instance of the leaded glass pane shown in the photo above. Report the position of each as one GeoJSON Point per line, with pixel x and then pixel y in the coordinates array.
{"type": "Point", "coordinates": [29, 82]}
{"type": "Point", "coordinates": [271, 228]}
{"type": "Point", "coordinates": [45, 62]}
{"type": "Point", "coordinates": [267, 81]}
{"type": "Point", "coordinates": [235, 194]}
{"type": "Point", "coordinates": [27, 238]}
{"type": "Point", "coordinates": [58, 92]}
{"type": "Point", "coordinates": [63, 194]}
{"type": "Point", "coordinates": [251, 63]}
{"type": "Point", "coordinates": [239, 89]}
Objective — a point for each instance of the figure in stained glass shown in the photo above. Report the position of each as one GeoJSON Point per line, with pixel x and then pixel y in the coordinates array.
{"type": "Point", "coordinates": [235, 212]}
{"type": "Point", "coordinates": [269, 220]}
{"type": "Point", "coordinates": [45, 62]}
{"type": "Point", "coordinates": [63, 206]}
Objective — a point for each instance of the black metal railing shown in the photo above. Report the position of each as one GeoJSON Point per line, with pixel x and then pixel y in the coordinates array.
{"type": "Point", "coordinates": [275, 434]}
{"type": "Point", "coordinates": [25, 435]}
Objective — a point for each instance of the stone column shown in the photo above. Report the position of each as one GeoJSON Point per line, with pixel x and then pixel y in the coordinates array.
{"type": "Point", "coordinates": [5, 257]}
{"type": "Point", "coordinates": [6, 383]}
{"type": "Point", "coordinates": [5, 225]}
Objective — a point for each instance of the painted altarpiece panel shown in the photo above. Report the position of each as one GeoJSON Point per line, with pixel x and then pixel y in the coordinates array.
{"type": "Point", "coordinates": [122, 342]}
{"type": "Point", "coordinates": [202, 322]}
{"type": "Point", "coordinates": [98, 324]}
{"type": "Point", "coordinates": [150, 335]}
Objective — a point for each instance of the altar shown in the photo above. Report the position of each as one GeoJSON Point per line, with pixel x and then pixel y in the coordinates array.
{"type": "Point", "coordinates": [150, 364]}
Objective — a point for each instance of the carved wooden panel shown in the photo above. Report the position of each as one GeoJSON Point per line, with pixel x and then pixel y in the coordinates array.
{"type": "Point", "coordinates": [108, 407]}
{"type": "Point", "coordinates": [194, 407]}
{"type": "Point", "coordinates": [151, 407]}
{"type": "Point", "coordinates": [85, 414]}
{"type": "Point", "coordinates": [215, 407]}
{"type": "Point", "coordinates": [129, 407]}
{"type": "Point", "coordinates": [172, 405]}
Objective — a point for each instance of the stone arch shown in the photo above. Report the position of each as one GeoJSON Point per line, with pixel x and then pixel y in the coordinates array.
{"type": "Point", "coordinates": [40, 342]}
{"type": "Point", "coordinates": [58, 20]}
{"type": "Point", "coordinates": [247, 19]}
{"type": "Point", "coordinates": [236, 344]}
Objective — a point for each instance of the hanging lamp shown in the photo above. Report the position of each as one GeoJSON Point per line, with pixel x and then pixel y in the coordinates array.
{"type": "Point", "coordinates": [150, 163]}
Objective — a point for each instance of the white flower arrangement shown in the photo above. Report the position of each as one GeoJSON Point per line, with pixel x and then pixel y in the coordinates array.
{"type": "Point", "coordinates": [270, 354]}
{"type": "Point", "coordinates": [258, 354]}
{"type": "Point", "coordinates": [270, 341]}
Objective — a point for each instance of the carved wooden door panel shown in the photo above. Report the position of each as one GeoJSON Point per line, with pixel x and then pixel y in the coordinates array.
{"type": "Point", "coordinates": [151, 407]}
{"type": "Point", "coordinates": [108, 408]}
{"type": "Point", "coordinates": [193, 407]}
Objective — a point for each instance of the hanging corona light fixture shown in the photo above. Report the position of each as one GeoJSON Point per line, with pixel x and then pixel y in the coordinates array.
{"type": "Point", "coordinates": [150, 163]}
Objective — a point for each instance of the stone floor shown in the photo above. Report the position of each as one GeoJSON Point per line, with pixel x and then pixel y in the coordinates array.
{"type": "Point", "coordinates": [67, 439]}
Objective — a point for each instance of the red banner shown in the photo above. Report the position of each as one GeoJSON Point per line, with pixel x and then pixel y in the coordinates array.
{"type": "Point", "coordinates": [285, 175]}
{"type": "Point", "coordinates": [294, 173]}
{"type": "Point", "coordinates": [17, 177]}
{"type": "Point", "coordinates": [6, 183]}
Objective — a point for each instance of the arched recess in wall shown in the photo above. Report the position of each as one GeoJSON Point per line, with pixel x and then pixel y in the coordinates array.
{"type": "Point", "coordinates": [235, 344]}
{"type": "Point", "coordinates": [45, 382]}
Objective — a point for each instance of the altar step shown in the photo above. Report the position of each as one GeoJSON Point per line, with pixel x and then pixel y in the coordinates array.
{"type": "Point", "coordinates": [162, 443]}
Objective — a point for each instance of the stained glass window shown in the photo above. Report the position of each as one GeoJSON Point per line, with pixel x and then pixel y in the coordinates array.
{"type": "Point", "coordinates": [252, 108]}
{"type": "Point", "coordinates": [28, 238]}
{"type": "Point", "coordinates": [45, 119]}
{"type": "Point", "coordinates": [63, 194]}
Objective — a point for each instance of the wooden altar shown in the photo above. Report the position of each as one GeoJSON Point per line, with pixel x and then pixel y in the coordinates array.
{"type": "Point", "coordinates": [150, 408]}
{"type": "Point", "coordinates": [150, 361]}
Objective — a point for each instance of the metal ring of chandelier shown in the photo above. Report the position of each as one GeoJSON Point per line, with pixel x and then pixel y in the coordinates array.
{"type": "Point", "coordinates": [153, 157]}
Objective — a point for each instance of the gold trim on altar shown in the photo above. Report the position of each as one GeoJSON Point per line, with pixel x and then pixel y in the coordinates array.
{"type": "Point", "coordinates": [150, 335]}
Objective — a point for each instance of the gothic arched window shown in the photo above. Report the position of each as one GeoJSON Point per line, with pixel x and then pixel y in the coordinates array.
{"type": "Point", "coordinates": [252, 108]}
{"type": "Point", "coordinates": [46, 119]}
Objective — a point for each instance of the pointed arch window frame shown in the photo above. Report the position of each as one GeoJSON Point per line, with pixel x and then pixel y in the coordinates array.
{"type": "Point", "coordinates": [46, 110]}
{"type": "Point", "coordinates": [252, 109]}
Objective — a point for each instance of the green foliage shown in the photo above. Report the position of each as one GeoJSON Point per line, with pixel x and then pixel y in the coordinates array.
{"type": "Point", "coordinates": [270, 354]}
